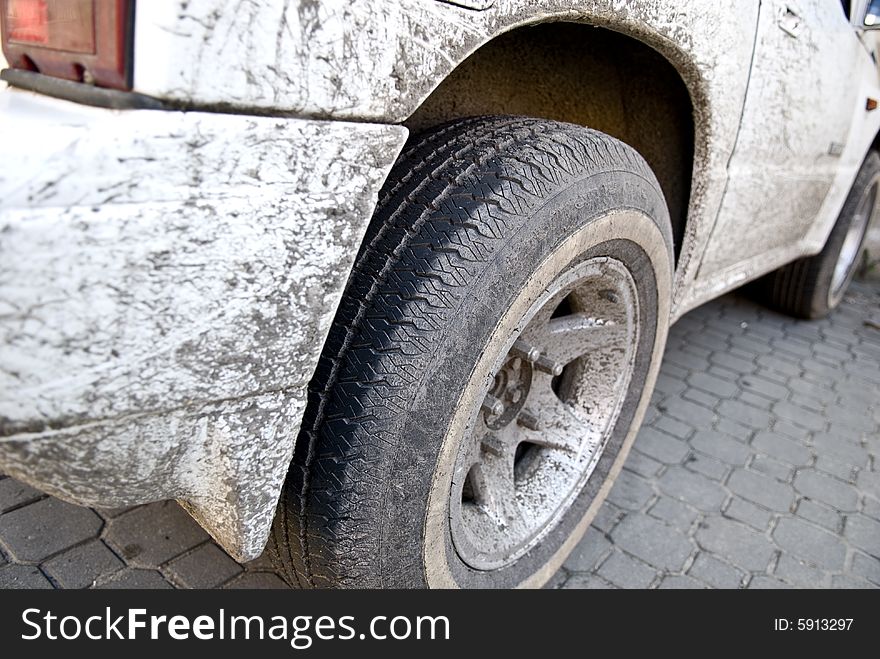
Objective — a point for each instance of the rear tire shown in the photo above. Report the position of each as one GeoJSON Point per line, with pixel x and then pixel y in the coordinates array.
{"type": "Point", "coordinates": [502, 250]}
{"type": "Point", "coordinates": [813, 287]}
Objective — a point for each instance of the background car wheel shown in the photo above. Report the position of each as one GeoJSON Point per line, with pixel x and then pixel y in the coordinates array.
{"type": "Point", "coordinates": [812, 287]}
{"type": "Point", "coordinates": [489, 365]}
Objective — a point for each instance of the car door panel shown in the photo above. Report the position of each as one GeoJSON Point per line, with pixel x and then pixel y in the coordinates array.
{"type": "Point", "coordinates": [795, 124]}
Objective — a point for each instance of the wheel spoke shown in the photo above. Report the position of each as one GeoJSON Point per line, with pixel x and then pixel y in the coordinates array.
{"type": "Point", "coordinates": [607, 372]}
{"type": "Point", "coordinates": [543, 315]}
{"type": "Point", "coordinates": [561, 426]}
{"type": "Point", "coordinates": [568, 337]}
{"type": "Point", "coordinates": [499, 488]}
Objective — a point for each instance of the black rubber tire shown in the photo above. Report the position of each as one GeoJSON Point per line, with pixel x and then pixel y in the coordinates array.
{"type": "Point", "coordinates": [467, 203]}
{"type": "Point", "coordinates": [803, 288]}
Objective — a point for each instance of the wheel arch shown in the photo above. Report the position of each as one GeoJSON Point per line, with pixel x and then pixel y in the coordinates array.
{"type": "Point", "coordinates": [583, 73]}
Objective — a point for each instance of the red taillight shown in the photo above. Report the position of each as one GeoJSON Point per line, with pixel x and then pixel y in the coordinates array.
{"type": "Point", "coordinates": [28, 21]}
{"type": "Point", "coordinates": [82, 40]}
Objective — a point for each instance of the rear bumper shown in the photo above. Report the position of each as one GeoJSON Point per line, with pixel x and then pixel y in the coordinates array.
{"type": "Point", "coordinates": [167, 281]}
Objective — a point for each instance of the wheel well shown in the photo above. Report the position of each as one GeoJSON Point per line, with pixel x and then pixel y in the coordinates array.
{"type": "Point", "coordinates": [584, 75]}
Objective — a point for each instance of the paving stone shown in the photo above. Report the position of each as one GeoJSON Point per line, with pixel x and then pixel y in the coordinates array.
{"type": "Point", "coordinates": [721, 446]}
{"type": "Point", "coordinates": [809, 542]}
{"type": "Point", "coordinates": [869, 481]}
{"type": "Point", "coordinates": [626, 572]}
{"type": "Point", "coordinates": [630, 491]}
{"type": "Point", "coordinates": [692, 488]}
{"type": "Point", "coordinates": [673, 427]}
{"type": "Point", "coordinates": [787, 367]}
{"type": "Point", "coordinates": [772, 467]}
{"type": "Point", "coordinates": [707, 466]}
{"type": "Point", "coordinates": [747, 415]}
{"type": "Point", "coordinates": [661, 446]}
{"type": "Point", "coordinates": [608, 516]}
{"type": "Point", "coordinates": [753, 345]}
{"type": "Point", "coordinates": [697, 416]}
{"type": "Point", "coordinates": [836, 355]}
{"type": "Point", "coordinates": [816, 394]}
{"type": "Point", "coordinates": [153, 534]}
{"type": "Point", "coordinates": [639, 463]}
{"type": "Point", "coordinates": [848, 424]}
{"type": "Point", "coordinates": [761, 386]}
{"type": "Point", "coordinates": [687, 361]}
{"type": "Point", "coordinates": [754, 400]}
{"type": "Point", "coordinates": [716, 573]}
{"type": "Point", "coordinates": [747, 512]}
{"type": "Point", "coordinates": [138, 579]}
{"type": "Point", "coordinates": [733, 363]}
{"type": "Point", "coordinates": [771, 376]}
{"type": "Point", "coordinates": [782, 448]}
{"type": "Point", "coordinates": [820, 514]}
{"type": "Point", "coordinates": [734, 429]}
{"type": "Point", "coordinates": [680, 582]}
{"type": "Point", "coordinates": [847, 582]}
{"type": "Point", "coordinates": [738, 351]}
{"type": "Point", "coordinates": [864, 533]}
{"type": "Point", "coordinates": [802, 401]}
{"type": "Point", "coordinates": [674, 512]}
{"type": "Point", "coordinates": [763, 582]}
{"type": "Point", "coordinates": [836, 468]}
{"type": "Point", "coordinates": [861, 393]}
{"type": "Point", "coordinates": [801, 574]}
{"type": "Point", "coordinates": [846, 451]}
{"type": "Point", "coordinates": [713, 385]}
{"type": "Point", "coordinates": [81, 566]}
{"type": "Point", "coordinates": [800, 416]}
{"type": "Point", "coordinates": [258, 580]}
{"type": "Point", "coordinates": [207, 566]}
{"type": "Point", "coordinates": [871, 508]}
{"type": "Point", "coordinates": [709, 340]}
{"type": "Point", "coordinates": [34, 532]}
{"type": "Point", "coordinates": [826, 489]}
{"type": "Point", "coordinates": [760, 489]}
{"type": "Point", "coordinates": [735, 542]}
{"type": "Point", "coordinates": [798, 434]}
{"type": "Point", "coordinates": [700, 398]}
{"type": "Point", "coordinates": [674, 371]}
{"type": "Point", "coordinates": [14, 494]}
{"type": "Point", "coordinates": [589, 552]}
{"type": "Point", "coordinates": [110, 513]}
{"type": "Point", "coordinates": [587, 582]}
{"type": "Point", "coordinates": [652, 541]}
{"type": "Point", "coordinates": [867, 567]}
{"type": "Point", "coordinates": [669, 385]}
{"type": "Point", "coordinates": [22, 576]}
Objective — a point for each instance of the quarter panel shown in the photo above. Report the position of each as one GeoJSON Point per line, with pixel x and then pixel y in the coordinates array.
{"type": "Point", "coordinates": [167, 280]}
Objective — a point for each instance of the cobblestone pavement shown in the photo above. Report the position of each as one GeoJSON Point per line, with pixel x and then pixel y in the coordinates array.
{"type": "Point", "coordinates": [758, 466]}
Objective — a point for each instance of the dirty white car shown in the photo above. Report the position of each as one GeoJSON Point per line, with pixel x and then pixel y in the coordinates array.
{"type": "Point", "coordinates": [387, 284]}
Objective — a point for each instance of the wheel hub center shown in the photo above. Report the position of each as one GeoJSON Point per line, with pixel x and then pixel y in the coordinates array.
{"type": "Point", "coordinates": [511, 387]}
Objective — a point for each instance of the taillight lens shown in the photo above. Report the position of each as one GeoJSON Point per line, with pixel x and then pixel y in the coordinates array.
{"type": "Point", "coordinates": [83, 40]}
{"type": "Point", "coordinates": [28, 22]}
